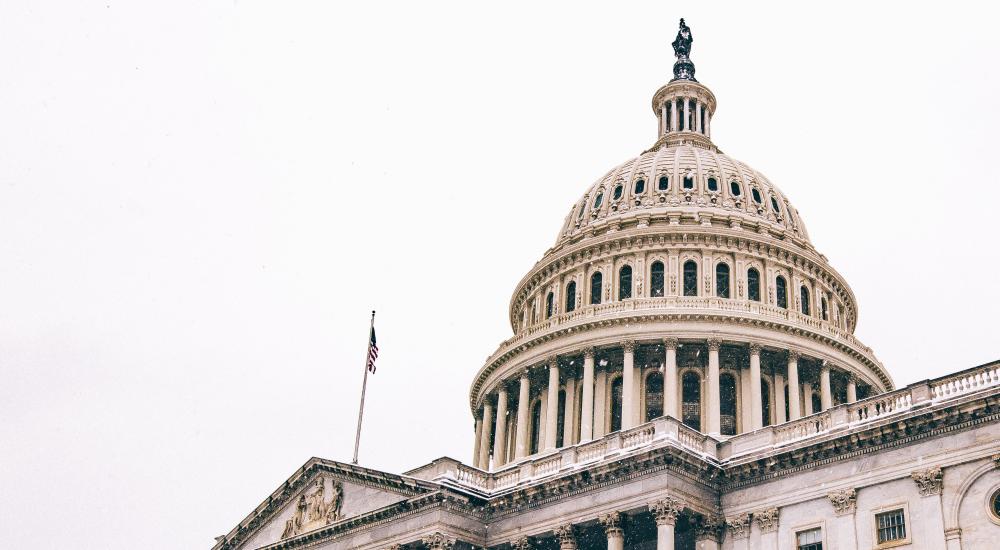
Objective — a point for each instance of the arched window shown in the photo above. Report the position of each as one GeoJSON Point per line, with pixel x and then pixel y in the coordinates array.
{"type": "Point", "coordinates": [640, 186]}
{"type": "Point", "coordinates": [781, 291]}
{"type": "Point", "coordinates": [765, 403]}
{"type": "Point", "coordinates": [691, 400]}
{"type": "Point", "coordinates": [824, 309]}
{"type": "Point", "coordinates": [688, 182]}
{"type": "Point", "coordinates": [656, 279]}
{"type": "Point", "coordinates": [534, 313]}
{"type": "Point", "coordinates": [596, 282]}
{"type": "Point", "coordinates": [774, 206]}
{"type": "Point", "coordinates": [734, 188]}
{"type": "Point", "coordinates": [579, 214]}
{"type": "Point", "coordinates": [536, 425]}
{"type": "Point", "coordinates": [804, 296]}
{"type": "Point", "coordinates": [722, 280]}
{"type": "Point", "coordinates": [618, 192]}
{"type": "Point", "coordinates": [654, 396]}
{"type": "Point", "coordinates": [561, 420]}
{"type": "Point", "coordinates": [598, 200]}
{"type": "Point", "coordinates": [690, 278]}
{"type": "Point", "coordinates": [616, 405]}
{"type": "Point", "coordinates": [571, 296]}
{"type": "Point", "coordinates": [713, 184]}
{"type": "Point", "coordinates": [727, 404]}
{"type": "Point", "coordinates": [787, 413]}
{"type": "Point", "coordinates": [549, 305]}
{"type": "Point", "coordinates": [756, 195]}
{"type": "Point", "coordinates": [753, 284]}
{"type": "Point", "coordinates": [663, 184]}
{"type": "Point", "coordinates": [625, 282]}
{"type": "Point", "coordinates": [817, 403]}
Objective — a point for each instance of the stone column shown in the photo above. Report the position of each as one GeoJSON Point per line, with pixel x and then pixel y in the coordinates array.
{"type": "Point", "coordinates": [794, 411]}
{"type": "Point", "coordinates": [825, 395]}
{"type": "Point", "coordinates": [744, 400]}
{"type": "Point", "coordinates": [697, 116]}
{"type": "Point", "coordinates": [708, 532]}
{"type": "Point", "coordinates": [665, 511]}
{"type": "Point", "coordinates": [756, 407]}
{"type": "Point", "coordinates": [687, 115]}
{"type": "Point", "coordinates": [767, 522]}
{"type": "Point", "coordinates": [628, 386]}
{"type": "Point", "coordinates": [779, 398]}
{"type": "Point", "coordinates": [484, 442]}
{"type": "Point", "coordinates": [708, 123]}
{"type": "Point", "coordinates": [670, 399]}
{"type": "Point", "coordinates": [739, 530]}
{"type": "Point", "coordinates": [567, 537]}
{"type": "Point", "coordinates": [587, 407]}
{"type": "Point", "coordinates": [600, 402]}
{"type": "Point", "coordinates": [523, 416]}
{"type": "Point", "coordinates": [663, 119]}
{"type": "Point", "coordinates": [714, 424]}
{"type": "Point", "coordinates": [569, 413]}
{"type": "Point", "coordinates": [673, 115]}
{"type": "Point", "coordinates": [852, 388]}
{"type": "Point", "coordinates": [500, 441]}
{"type": "Point", "coordinates": [807, 398]}
{"type": "Point", "coordinates": [612, 524]}
{"type": "Point", "coordinates": [552, 405]}
{"type": "Point", "coordinates": [479, 437]}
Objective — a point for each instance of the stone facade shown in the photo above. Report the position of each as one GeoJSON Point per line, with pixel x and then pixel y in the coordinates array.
{"type": "Point", "coordinates": [683, 375]}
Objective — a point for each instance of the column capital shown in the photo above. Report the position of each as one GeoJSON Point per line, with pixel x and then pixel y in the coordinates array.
{"type": "Point", "coordinates": [844, 501]}
{"type": "Point", "coordinates": [439, 541]}
{"type": "Point", "coordinates": [793, 355]}
{"type": "Point", "coordinates": [629, 345]}
{"type": "Point", "coordinates": [767, 520]}
{"type": "Point", "coordinates": [552, 361]}
{"type": "Point", "coordinates": [670, 343]}
{"type": "Point", "coordinates": [612, 524]}
{"type": "Point", "coordinates": [709, 528]}
{"type": "Point", "coordinates": [588, 352]}
{"type": "Point", "coordinates": [665, 511]}
{"type": "Point", "coordinates": [567, 537]}
{"type": "Point", "coordinates": [852, 378]}
{"type": "Point", "coordinates": [739, 526]}
{"type": "Point", "coordinates": [825, 365]}
{"type": "Point", "coordinates": [714, 344]}
{"type": "Point", "coordinates": [929, 482]}
{"type": "Point", "coordinates": [523, 543]}
{"type": "Point", "coordinates": [755, 348]}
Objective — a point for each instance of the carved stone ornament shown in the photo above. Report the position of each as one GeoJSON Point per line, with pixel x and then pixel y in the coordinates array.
{"type": "Point", "coordinates": [755, 348]}
{"type": "Point", "coordinates": [629, 345]}
{"type": "Point", "coordinates": [439, 541]}
{"type": "Point", "coordinates": [767, 520]}
{"type": "Point", "coordinates": [844, 502]}
{"type": "Point", "coordinates": [612, 524]}
{"type": "Point", "coordinates": [709, 528]}
{"type": "Point", "coordinates": [313, 510]}
{"type": "Point", "coordinates": [929, 481]}
{"type": "Point", "coordinates": [670, 343]}
{"type": "Point", "coordinates": [714, 344]}
{"type": "Point", "coordinates": [996, 460]}
{"type": "Point", "coordinates": [567, 537]}
{"type": "Point", "coordinates": [523, 543]}
{"type": "Point", "coordinates": [665, 511]}
{"type": "Point", "coordinates": [588, 352]}
{"type": "Point", "coordinates": [739, 526]}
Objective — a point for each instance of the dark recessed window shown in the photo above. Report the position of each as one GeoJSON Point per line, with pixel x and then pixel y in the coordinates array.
{"type": "Point", "coordinates": [656, 279]}
{"type": "Point", "coordinates": [579, 215]}
{"type": "Point", "coordinates": [753, 284]}
{"type": "Point", "coordinates": [824, 309]}
{"type": "Point", "coordinates": [781, 289]}
{"type": "Point", "coordinates": [618, 192]}
{"type": "Point", "coordinates": [804, 296]}
{"type": "Point", "coordinates": [722, 280]}
{"type": "Point", "coordinates": [811, 539]}
{"type": "Point", "coordinates": [713, 184]}
{"type": "Point", "coordinates": [640, 186]}
{"type": "Point", "coordinates": [774, 206]}
{"type": "Point", "coordinates": [734, 188]}
{"type": "Point", "coordinates": [571, 296]}
{"type": "Point", "coordinates": [664, 183]}
{"type": "Point", "coordinates": [756, 195]}
{"type": "Point", "coordinates": [625, 282]}
{"type": "Point", "coordinates": [688, 183]}
{"type": "Point", "coordinates": [891, 526]}
{"type": "Point", "coordinates": [598, 200]}
{"type": "Point", "coordinates": [690, 278]}
{"type": "Point", "coordinates": [596, 281]}
{"type": "Point", "coordinates": [995, 504]}
{"type": "Point", "coordinates": [549, 305]}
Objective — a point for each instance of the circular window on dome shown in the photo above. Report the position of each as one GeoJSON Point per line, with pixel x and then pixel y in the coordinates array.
{"type": "Point", "coordinates": [598, 200]}
{"type": "Point", "coordinates": [713, 184]}
{"type": "Point", "coordinates": [734, 188]}
{"type": "Point", "coordinates": [994, 505]}
{"type": "Point", "coordinates": [640, 186]}
{"type": "Point", "coordinates": [663, 184]}
{"type": "Point", "coordinates": [756, 195]}
{"type": "Point", "coordinates": [618, 193]}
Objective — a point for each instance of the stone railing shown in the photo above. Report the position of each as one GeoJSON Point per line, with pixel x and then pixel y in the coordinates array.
{"type": "Point", "coordinates": [880, 405]}
{"type": "Point", "coordinates": [965, 382]}
{"type": "Point", "coordinates": [803, 427]}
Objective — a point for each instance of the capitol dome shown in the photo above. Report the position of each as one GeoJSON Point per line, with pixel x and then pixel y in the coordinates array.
{"type": "Point", "coordinates": [682, 284]}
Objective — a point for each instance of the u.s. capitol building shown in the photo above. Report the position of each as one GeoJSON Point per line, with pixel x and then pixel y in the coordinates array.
{"type": "Point", "coordinates": [683, 374]}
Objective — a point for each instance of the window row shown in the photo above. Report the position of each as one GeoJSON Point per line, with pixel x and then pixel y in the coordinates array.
{"type": "Point", "coordinates": [890, 529]}
{"type": "Point", "coordinates": [687, 184]}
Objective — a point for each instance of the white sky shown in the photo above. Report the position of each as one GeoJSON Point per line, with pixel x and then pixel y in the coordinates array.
{"type": "Point", "coordinates": [201, 201]}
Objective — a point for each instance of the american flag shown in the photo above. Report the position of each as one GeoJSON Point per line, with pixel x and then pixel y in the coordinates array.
{"type": "Point", "coordinates": [372, 352]}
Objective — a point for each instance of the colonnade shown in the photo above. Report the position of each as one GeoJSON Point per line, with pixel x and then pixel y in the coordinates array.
{"type": "Point", "coordinates": [508, 429]}
{"type": "Point", "coordinates": [685, 114]}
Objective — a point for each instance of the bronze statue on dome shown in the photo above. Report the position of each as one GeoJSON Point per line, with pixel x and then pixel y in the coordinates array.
{"type": "Point", "coordinates": [682, 44]}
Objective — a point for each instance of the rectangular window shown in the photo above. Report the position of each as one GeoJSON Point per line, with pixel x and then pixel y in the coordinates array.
{"type": "Point", "coordinates": [891, 526]}
{"type": "Point", "coordinates": [810, 539]}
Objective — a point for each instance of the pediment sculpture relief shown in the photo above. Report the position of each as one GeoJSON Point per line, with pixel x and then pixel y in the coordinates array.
{"type": "Point", "coordinates": [313, 510]}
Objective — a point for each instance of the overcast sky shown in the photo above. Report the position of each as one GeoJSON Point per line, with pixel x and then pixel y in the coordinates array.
{"type": "Point", "coordinates": [201, 202]}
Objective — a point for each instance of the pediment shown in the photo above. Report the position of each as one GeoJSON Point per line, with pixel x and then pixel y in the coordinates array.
{"type": "Point", "coordinates": [321, 493]}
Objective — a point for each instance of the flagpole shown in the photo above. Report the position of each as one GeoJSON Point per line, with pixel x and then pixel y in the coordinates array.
{"type": "Point", "coordinates": [364, 384]}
